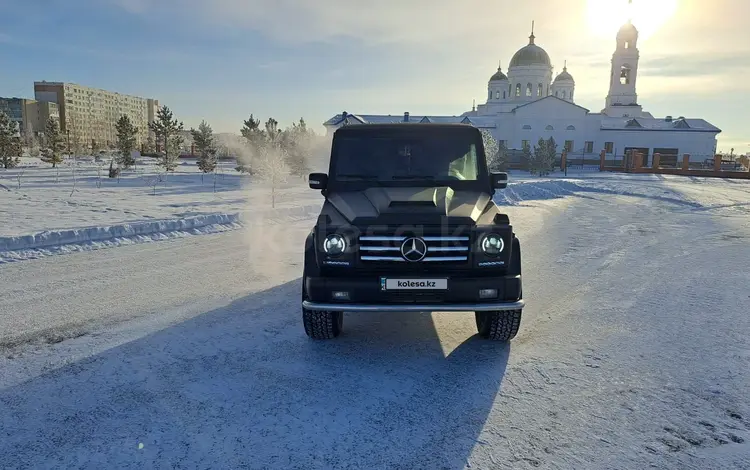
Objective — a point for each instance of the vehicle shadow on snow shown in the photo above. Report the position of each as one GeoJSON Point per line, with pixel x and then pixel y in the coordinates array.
{"type": "Point", "coordinates": [242, 386]}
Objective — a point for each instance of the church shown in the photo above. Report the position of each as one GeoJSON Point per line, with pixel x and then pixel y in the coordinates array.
{"type": "Point", "coordinates": [527, 104]}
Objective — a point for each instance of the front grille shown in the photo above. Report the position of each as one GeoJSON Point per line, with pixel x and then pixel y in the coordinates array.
{"type": "Point", "coordinates": [440, 249]}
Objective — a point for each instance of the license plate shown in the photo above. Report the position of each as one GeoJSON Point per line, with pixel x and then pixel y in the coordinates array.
{"type": "Point", "coordinates": [413, 284]}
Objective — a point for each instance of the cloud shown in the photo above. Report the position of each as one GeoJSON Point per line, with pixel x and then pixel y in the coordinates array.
{"type": "Point", "coordinates": [689, 65]}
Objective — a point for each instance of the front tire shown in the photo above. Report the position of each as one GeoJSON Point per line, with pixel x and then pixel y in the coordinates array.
{"type": "Point", "coordinates": [498, 325]}
{"type": "Point", "coordinates": [322, 324]}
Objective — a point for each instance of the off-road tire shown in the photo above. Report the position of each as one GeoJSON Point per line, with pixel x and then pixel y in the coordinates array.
{"type": "Point", "coordinates": [498, 325]}
{"type": "Point", "coordinates": [322, 324]}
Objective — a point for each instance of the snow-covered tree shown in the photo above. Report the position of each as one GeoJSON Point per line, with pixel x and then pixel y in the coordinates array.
{"type": "Point", "coordinates": [272, 167]}
{"type": "Point", "coordinates": [203, 138]}
{"type": "Point", "coordinates": [126, 141]}
{"type": "Point", "coordinates": [543, 159]}
{"type": "Point", "coordinates": [150, 145]}
{"type": "Point", "coordinates": [526, 156]}
{"type": "Point", "coordinates": [54, 143]}
{"type": "Point", "coordinates": [167, 128]}
{"type": "Point", "coordinates": [298, 142]}
{"type": "Point", "coordinates": [254, 139]}
{"type": "Point", "coordinates": [10, 142]}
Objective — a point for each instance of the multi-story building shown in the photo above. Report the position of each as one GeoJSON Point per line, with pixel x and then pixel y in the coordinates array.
{"type": "Point", "coordinates": [30, 115]}
{"type": "Point", "coordinates": [91, 114]}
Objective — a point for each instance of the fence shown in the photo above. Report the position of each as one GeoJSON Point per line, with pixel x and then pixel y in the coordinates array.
{"type": "Point", "coordinates": [716, 167]}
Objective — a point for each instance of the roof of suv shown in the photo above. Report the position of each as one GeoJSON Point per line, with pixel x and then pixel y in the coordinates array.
{"type": "Point", "coordinates": [403, 125]}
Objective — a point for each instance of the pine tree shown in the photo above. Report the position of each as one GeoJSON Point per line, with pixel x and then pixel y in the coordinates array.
{"type": "Point", "coordinates": [150, 146]}
{"type": "Point", "coordinates": [167, 129]}
{"type": "Point", "coordinates": [491, 148]}
{"type": "Point", "coordinates": [548, 164]}
{"type": "Point", "coordinates": [297, 141]}
{"type": "Point", "coordinates": [203, 138]}
{"type": "Point", "coordinates": [126, 141]}
{"type": "Point", "coordinates": [273, 167]}
{"type": "Point", "coordinates": [54, 143]}
{"type": "Point", "coordinates": [526, 155]}
{"type": "Point", "coordinates": [536, 164]}
{"type": "Point", "coordinates": [10, 143]}
{"type": "Point", "coordinates": [254, 140]}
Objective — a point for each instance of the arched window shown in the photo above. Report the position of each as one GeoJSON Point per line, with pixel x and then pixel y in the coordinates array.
{"type": "Point", "coordinates": [503, 95]}
{"type": "Point", "coordinates": [549, 128]}
{"type": "Point", "coordinates": [489, 97]}
{"type": "Point", "coordinates": [557, 93]}
{"type": "Point", "coordinates": [497, 95]}
{"type": "Point", "coordinates": [571, 95]}
{"type": "Point", "coordinates": [526, 127]}
{"type": "Point", "coordinates": [627, 44]}
{"type": "Point", "coordinates": [518, 89]}
{"type": "Point", "coordinates": [539, 90]}
{"type": "Point", "coordinates": [563, 94]}
{"type": "Point", "coordinates": [510, 89]}
{"type": "Point", "coordinates": [625, 75]}
{"type": "Point", "coordinates": [528, 89]}
{"type": "Point", "coordinates": [571, 128]}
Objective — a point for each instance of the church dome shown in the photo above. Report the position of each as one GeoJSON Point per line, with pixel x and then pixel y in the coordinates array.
{"type": "Point", "coordinates": [628, 29]}
{"type": "Point", "coordinates": [499, 76]}
{"type": "Point", "coordinates": [530, 54]}
{"type": "Point", "coordinates": [564, 75]}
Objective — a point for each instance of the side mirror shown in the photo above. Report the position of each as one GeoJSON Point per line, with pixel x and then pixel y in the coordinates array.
{"type": "Point", "coordinates": [499, 180]}
{"type": "Point", "coordinates": [318, 180]}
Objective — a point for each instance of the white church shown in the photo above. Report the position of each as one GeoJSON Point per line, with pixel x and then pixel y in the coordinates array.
{"type": "Point", "coordinates": [527, 104]}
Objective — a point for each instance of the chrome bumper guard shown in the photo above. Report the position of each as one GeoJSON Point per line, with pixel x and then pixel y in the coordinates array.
{"type": "Point", "coordinates": [416, 308]}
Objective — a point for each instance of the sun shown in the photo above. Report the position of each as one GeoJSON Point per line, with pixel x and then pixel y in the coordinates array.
{"type": "Point", "coordinates": [606, 16]}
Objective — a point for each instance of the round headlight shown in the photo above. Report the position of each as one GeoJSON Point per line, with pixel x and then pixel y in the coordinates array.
{"type": "Point", "coordinates": [334, 244]}
{"type": "Point", "coordinates": [493, 244]}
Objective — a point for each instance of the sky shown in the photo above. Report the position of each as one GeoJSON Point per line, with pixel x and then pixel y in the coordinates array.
{"type": "Point", "coordinates": [222, 60]}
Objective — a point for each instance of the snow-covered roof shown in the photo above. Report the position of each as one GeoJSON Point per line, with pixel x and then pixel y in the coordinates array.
{"type": "Point", "coordinates": [551, 97]}
{"type": "Point", "coordinates": [654, 124]}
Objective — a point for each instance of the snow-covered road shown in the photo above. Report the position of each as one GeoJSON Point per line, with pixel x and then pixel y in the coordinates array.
{"type": "Point", "coordinates": [633, 352]}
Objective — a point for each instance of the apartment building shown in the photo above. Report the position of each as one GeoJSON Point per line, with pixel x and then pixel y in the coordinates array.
{"type": "Point", "coordinates": [91, 114]}
{"type": "Point", "coordinates": [30, 115]}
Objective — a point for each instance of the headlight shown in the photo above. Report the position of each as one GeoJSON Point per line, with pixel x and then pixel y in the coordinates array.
{"type": "Point", "coordinates": [492, 244]}
{"type": "Point", "coordinates": [334, 244]}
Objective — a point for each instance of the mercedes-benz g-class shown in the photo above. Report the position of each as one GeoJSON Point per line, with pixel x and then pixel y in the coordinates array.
{"type": "Point", "coordinates": [409, 225]}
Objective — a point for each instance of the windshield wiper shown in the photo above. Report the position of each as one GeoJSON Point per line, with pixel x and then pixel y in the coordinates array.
{"type": "Point", "coordinates": [413, 177]}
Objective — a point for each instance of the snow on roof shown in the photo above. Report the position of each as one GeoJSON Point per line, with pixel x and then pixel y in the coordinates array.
{"type": "Point", "coordinates": [654, 124]}
{"type": "Point", "coordinates": [392, 119]}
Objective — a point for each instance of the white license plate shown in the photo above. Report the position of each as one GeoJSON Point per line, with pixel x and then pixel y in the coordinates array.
{"type": "Point", "coordinates": [413, 284]}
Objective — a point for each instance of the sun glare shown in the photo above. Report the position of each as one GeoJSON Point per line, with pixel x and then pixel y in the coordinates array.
{"type": "Point", "coordinates": [606, 16]}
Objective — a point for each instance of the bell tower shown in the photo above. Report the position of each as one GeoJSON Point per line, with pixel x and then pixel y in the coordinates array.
{"type": "Point", "coordinates": [622, 98]}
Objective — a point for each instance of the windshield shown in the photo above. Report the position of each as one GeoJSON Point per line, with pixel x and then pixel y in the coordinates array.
{"type": "Point", "coordinates": [402, 156]}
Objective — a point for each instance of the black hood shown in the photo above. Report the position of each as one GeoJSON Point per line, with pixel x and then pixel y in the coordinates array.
{"type": "Point", "coordinates": [405, 205]}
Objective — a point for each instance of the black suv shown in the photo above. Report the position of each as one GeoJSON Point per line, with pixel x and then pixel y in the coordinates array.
{"type": "Point", "coordinates": [409, 225]}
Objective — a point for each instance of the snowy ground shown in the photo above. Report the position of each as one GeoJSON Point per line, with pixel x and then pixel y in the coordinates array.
{"type": "Point", "coordinates": [633, 350]}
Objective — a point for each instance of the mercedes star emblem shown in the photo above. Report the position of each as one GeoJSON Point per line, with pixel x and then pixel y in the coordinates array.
{"type": "Point", "coordinates": [413, 249]}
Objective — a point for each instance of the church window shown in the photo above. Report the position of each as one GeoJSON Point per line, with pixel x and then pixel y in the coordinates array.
{"type": "Point", "coordinates": [525, 143]}
{"type": "Point", "coordinates": [589, 147]}
{"type": "Point", "coordinates": [526, 127]}
{"type": "Point", "coordinates": [503, 95]}
{"type": "Point", "coordinates": [625, 75]}
{"type": "Point", "coordinates": [528, 89]}
{"type": "Point", "coordinates": [549, 128]}
{"type": "Point", "coordinates": [489, 97]}
{"type": "Point", "coordinates": [518, 89]}
{"type": "Point", "coordinates": [627, 44]}
{"type": "Point", "coordinates": [571, 128]}
{"type": "Point", "coordinates": [539, 90]}
{"type": "Point", "coordinates": [510, 90]}
{"type": "Point", "coordinates": [609, 147]}
{"type": "Point", "coordinates": [557, 93]}
{"type": "Point", "coordinates": [568, 145]}
{"type": "Point", "coordinates": [497, 95]}
{"type": "Point", "coordinates": [563, 94]}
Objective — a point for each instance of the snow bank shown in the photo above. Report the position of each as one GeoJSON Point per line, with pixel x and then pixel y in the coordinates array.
{"type": "Point", "coordinates": [55, 242]}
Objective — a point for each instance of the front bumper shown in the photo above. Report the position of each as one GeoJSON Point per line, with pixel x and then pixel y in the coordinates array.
{"type": "Point", "coordinates": [417, 308]}
{"type": "Point", "coordinates": [366, 295]}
